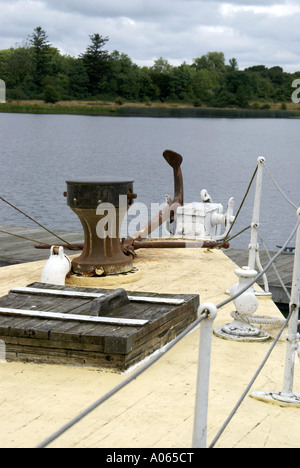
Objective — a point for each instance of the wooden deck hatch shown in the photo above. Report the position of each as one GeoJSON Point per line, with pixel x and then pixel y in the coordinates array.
{"type": "Point", "coordinates": [54, 324]}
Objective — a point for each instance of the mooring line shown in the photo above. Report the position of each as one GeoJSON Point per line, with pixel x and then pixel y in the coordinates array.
{"type": "Point", "coordinates": [22, 237]}
{"type": "Point", "coordinates": [241, 206]}
{"type": "Point", "coordinates": [39, 224]}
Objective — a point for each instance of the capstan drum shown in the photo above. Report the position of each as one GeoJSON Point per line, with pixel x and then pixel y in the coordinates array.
{"type": "Point", "coordinates": [101, 206]}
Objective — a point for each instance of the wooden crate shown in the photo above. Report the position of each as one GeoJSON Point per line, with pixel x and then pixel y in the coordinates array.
{"type": "Point", "coordinates": [101, 345]}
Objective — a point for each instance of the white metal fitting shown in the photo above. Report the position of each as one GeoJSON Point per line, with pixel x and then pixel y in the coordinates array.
{"type": "Point", "coordinates": [210, 307]}
{"type": "Point", "coordinates": [246, 305]}
{"type": "Point", "coordinates": [57, 267]}
{"type": "Point", "coordinates": [203, 220]}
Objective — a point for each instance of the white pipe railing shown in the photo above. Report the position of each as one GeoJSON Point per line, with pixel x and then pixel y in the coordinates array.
{"type": "Point", "coordinates": [254, 258]}
{"type": "Point", "coordinates": [293, 335]}
{"type": "Point", "coordinates": [256, 215]}
{"type": "Point", "coordinates": [207, 313]}
{"type": "Point", "coordinates": [287, 396]}
{"type": "Point", "coordinates": [202, 315]}
{"type": "Point", "coordinates": [201, 405]}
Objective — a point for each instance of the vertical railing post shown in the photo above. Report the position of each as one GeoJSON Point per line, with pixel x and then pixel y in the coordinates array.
{"type": "Point", "coordinates": [287, 397]}
{"type": "Point", "coordinates": [201, 405]}
{"type": "Point", "coordinates": [256, 215]}
{"type": "Point", "coordinates": [293, 336]}
{"type": "Point", "coordinates": [254, 259]}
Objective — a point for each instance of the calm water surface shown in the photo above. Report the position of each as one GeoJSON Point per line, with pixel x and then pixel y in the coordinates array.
{"type": "Point", "coordinates": [40, 152]}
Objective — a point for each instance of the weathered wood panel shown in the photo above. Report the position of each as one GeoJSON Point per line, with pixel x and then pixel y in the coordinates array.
{"type": "Point", "coordinates": [91, 344]}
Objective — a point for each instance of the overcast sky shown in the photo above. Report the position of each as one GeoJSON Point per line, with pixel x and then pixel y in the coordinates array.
{"type": "Point", "coordinates": [254, 32]}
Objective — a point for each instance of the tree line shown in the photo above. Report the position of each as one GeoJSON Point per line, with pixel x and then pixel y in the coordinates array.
{"type": "Point", "coordinates": [37, 70]}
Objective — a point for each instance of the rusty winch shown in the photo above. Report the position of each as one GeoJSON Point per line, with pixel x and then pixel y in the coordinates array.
{"type": "Point", "coordinates": [102, 251]}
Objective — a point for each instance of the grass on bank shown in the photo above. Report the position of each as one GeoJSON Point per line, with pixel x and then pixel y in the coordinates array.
{"type": "Point", "coordinates": [106, 108]}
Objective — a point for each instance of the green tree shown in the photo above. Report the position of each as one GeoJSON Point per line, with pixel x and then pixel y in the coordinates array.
{"type": "Point", "coordinates": [181, 83]}
{"type": "Point", "coordinates": [41, 55]}
{"type": "Point", "coordinates": [213, 61]}
{"type": "Point", "coordinates": [78, 79]}
{"type": "Point", "coordinates": [143, 84]}
{"type": "Point", "coordinates": [96, 62]}
{"type": "Point", "coordinates": [123, 78]}
{"type": "Point", "coordinates": [160, 74]}
{"type": "Point", "coordinates": [51, 91]}
{"type": "Point", "coordinates": [203, 85]}
{"type": "Point", "coordinates": [236, 91]}
{"type": "Point", "coordinates": [233, 64]}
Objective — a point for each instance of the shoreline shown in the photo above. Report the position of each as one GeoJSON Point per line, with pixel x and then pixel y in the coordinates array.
{"type": "Point", "coordinates": [102, 108]}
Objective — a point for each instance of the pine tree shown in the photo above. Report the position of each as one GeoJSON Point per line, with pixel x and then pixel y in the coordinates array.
{"type": "Point", "coordinates": [41, 47]}
{"type": "Point", "coordinates": [96, 62]}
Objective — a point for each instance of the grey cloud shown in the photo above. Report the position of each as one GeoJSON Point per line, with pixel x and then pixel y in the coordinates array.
{"type": "Point", "coordinates": [175, 29]}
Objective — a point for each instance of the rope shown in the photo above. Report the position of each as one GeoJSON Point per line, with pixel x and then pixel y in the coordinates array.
{"type": "Point", "coordinates": [257, 319]}
{"type": "Point", "coordinates": [36, 222]}
{"type": "Point", "coordinates": [22, 237]}
{"type": "Point", "coordinates": [252, 381]}
{"type": "Point", "coordinates": [255, 280]}
{"type": "Point", "coordinates": [274, 267]}
{"type": "Point", "coordinates": [241, 206]}
{"type": "Point", "coordinates": [273, 345]}
{"type": "Point", "coordinates": [119, 387]}
{"type": "Point", "coordinates": [261, 319]}
{"type": "Point", "coordinates": [165, 350]}
{"type": "Point", "coordinates": [180, 337]}
{"type": "Point", "coordinates": [277, 186]}
{"type": "Point", "coordinates": [238, 234]}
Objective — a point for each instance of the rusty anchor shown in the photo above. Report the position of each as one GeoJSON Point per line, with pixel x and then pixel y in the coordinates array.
{"type": "Point", "coordinates": [168, 212]}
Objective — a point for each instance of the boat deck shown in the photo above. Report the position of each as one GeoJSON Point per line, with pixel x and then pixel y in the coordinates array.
{"type": "Point", "coordinates": [157, 409]}
{"type": "Point", "coordinates": [14, 250]}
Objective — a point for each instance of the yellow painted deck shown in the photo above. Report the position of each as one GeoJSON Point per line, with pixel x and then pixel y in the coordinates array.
{"type": "Point", "coordinates": [157, 409]}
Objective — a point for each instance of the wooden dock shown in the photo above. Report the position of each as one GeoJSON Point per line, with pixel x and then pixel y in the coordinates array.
{"type": "Point", "coordinates": [14, 250]}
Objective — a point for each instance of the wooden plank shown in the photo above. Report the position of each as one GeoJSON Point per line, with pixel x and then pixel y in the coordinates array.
{"type": "Point", "coordinates": [43, 328]}
{"type": "Point", "coordinates": [94, 295]}
{"type": "Point", "coordinates": [26, 353]}
{"type": "Point", "coordinates": [74, 317]}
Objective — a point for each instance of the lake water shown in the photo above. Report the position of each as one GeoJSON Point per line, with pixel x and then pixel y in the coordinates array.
{"type": "Point", "coordinates": [40, 152]}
